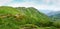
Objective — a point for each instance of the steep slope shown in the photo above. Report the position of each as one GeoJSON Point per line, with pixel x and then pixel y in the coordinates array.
{"type": "Point", "coordinates": [33, 13]}
{"type": "Point", "coordinates": [13, 18]}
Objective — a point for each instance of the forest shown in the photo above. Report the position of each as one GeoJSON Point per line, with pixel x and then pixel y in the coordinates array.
{"type": "Point", "coordinates": [26, 18]}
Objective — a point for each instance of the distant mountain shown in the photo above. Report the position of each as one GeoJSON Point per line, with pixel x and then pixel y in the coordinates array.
{"type": "Point", "coordinates": [55, 15]}
{"type": "Point", "coordinates": [47, 12]}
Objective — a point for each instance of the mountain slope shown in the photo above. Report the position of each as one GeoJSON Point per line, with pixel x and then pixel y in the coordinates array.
{"type": "Point", "coordinates": [13, 18]}
{"type": "Point", "coordinates": [34, 14]}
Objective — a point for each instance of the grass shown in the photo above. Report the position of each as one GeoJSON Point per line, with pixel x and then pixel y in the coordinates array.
{"type": "Point", "coordinates": [23, 18]}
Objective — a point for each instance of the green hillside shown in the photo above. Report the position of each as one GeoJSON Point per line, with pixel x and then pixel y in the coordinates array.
{"type": "Point", "coordinates": [23, 18]}
{"type": "Point", "coordinates": [8, 10]}
{"type": "Point", "coordinates": [34, 14]}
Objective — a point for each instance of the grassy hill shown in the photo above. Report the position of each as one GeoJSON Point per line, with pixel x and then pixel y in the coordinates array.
{"type": "Point", "coordinates": [23, 18]}
{"type": "Point", "coordinates": [34, 14]}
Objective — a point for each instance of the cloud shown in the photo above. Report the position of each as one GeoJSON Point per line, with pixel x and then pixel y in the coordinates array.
{"type": "Point", "coordinates": [3, 2]}
{"type": "Point", "coordinates": [38, 4]}
{"type": "Point", "coordinates": [29, 4]}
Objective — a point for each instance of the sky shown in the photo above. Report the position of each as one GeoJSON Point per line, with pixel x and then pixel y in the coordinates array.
{"type": "Point", "coordinates": [38, 4]}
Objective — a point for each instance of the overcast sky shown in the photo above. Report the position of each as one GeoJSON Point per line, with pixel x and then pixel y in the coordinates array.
{"type": "Point", "coordinates": [38, 4]}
